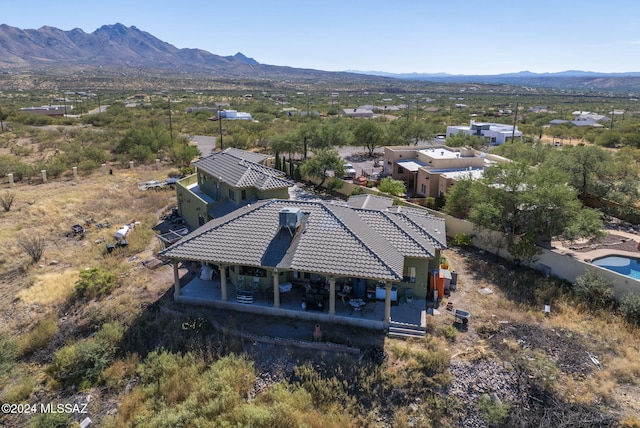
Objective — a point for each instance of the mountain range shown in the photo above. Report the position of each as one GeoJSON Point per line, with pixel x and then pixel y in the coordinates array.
{"type": "Point", "coordinates": [118, 48]}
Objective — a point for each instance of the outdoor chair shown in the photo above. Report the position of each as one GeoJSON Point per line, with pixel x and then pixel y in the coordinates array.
{"type": "Point", "coordinates": [240, 282]}
{"type": "Point", "coordinates": [344, 293]}
{"type": "Point", "coordinates": [255, 283]}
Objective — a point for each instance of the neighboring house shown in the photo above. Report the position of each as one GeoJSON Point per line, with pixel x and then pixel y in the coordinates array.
{"type": "Point", "coordinates": [234, 115]}
{"type": "Point", "coordinates": [431, 171]}
{"type": "Point", "coordinates": [495, 133]}
{"type": "Point", "coordinates": [202, 108]}
{"type": "Point", "coordinates": [582, 119]}
{"type": "Point", "coordinates": [225, 181]}
{"type": "Point", "coordinates": [277, 242]}
{"type": "Point", "coordinates": [357, 112]}
{"type": "Point", "coordinates": [57, 110]}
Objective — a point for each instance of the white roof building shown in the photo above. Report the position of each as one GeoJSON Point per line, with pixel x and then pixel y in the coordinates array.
{"type": "Point", "coordinates": [496, 133]}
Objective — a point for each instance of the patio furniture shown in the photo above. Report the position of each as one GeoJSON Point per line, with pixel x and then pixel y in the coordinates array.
{"type": "Point", "coordinates": [285, 287]}
{"type": "Point", "coordinates": [357, 305]}
{"type": "Point", "coordinates": [314, 301]}
{"type": "Point", "coordinates": [344, 293]}
{"type": "Point", "coordinates": [408, 294]}
{"type": "Point", "coordinates": [243, 296]}
{"type": "Point", "coordinates": [255, 282]}
{"type": "Point", "coordinates": [240, 282]}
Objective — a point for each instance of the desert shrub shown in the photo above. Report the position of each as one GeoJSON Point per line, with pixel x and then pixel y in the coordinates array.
{"type": "Point", "coordinates": [56, 166]}
{"type": "Point", "coordinates": [334, 184]}
{"type": "Point", "coordinates": [88, 166]}
{"type": "Point", "coordinates": [493, 410]}
{"type": "Point", "coordinates": [433, 361]}
{"type": "Point", "coordinates": [39, 336]}
{"type": "Point", "coordinates": [630, 422]}
{"type": "Point", "coordinates": [120, 371]}
{"type": "Point", "coordinates": [426, 362]}
{"type": "Point", "coordinates": [357, 191]}
{"type": "Point", "coordinates": [21, 150]}
{"type": "Point", "coordinates": [8, 354]}
{"type": "Point", "coordinates": [6, 200]}
{"type": "Point", "coordinates": [50, 420]}
{"type": "Point", "coordinates": [283, 406]}
{"type": "Point", "coordinates": [630, 308]}
{"type": "Point", "coordinates": [325, 391]}
{"type": "Point", "coordinates": [178, 390]}
{"type": "Point", "coordinates": [449, 332]}
{"type": "Point", "coordinates": [463, 240]}
{"type": "Point", "coordinates": [540, 368]}
{"type": "Point", "coordinates": [95, 282]}
{"type": "Point", "coordinates": [81, 363]}
{"type": "Point", "coordinates": [33, 245]}
{"type": "Point", "coordinates": [95, 154]}
{"type": "Point", "coordinates": [21, 390]}
{"type": "Point", "coordinates": [594, 290]}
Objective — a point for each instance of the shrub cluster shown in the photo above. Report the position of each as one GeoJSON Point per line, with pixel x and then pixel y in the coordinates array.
{"type": "Point", "coordinates": [95, 282]}
{"type": "Point", "coordinates": [81, 363]}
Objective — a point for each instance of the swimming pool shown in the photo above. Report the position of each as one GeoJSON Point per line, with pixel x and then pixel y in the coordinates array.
{"type": "Point", "coordinates": [623, 265]}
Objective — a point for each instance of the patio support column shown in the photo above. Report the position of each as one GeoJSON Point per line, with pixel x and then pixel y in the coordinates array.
{"type": "Point", "coordinates": [332, 295]}
{"type": "Point", "coordinates": [387, 301]}
{"type": "Point", "coordinates": [276, 288]}
{"type": "Point", "coordinates": [223, 282]}
{"type": "Point", "coordinates": [176, 279]}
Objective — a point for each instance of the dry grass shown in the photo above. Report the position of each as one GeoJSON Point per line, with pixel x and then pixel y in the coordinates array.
{"type": "Point", "coordinates": [50, 288]}
{"type": "Point", "coordinates": [49, 210]}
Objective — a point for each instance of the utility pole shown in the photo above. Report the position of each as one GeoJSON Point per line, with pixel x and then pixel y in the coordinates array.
{"type": "Point", "coordinates": [1, 123]}
{"type": "Point", "coordinates": [170, 123]}
{"type": "Point", "coordinates": [515, 120]}
{"type": "Point", "coordinates": [220, 126]}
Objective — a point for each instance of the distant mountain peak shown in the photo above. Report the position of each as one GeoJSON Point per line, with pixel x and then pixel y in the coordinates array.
{"type": "Point", "coordinates": [241, 57]}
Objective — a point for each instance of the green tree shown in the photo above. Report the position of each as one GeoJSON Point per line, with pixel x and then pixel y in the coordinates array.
{"type": "Point", "coordinates": [392, 187]}
{"type": "Point", "coordinates": [463, 140]}
{"type": "Point", "coordinates": [594, 290]}
{"type": "Point", "coordinates": [584, 165]}
{"type": "Point", "coordinates": [305, 134]}
{"type": "Point", "coordinates": [458, 203]}
{"type": "Point", "coordinates": [527, 205]}
{"type": "Point", "coordinates": [331, 134]}
{"type": "Point", "coordinates": [285, 143]}
{"type": "Point", "coordinates": [321, 163]}
{"type": "Point", "coordinates": [368, 134]}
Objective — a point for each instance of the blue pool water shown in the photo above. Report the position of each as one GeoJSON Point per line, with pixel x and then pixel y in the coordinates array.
{"type": "Point", "coordinates": [622, 265]}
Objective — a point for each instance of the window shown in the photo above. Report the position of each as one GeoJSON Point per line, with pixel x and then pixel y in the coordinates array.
{"type": "Point", "coordinates": [409, 274]}
{"type": "Point", "coordinates": [423, 188]}
{"type": "Point", "coordinates": [400, 169]}
{"type": "Point", "coordinates": [232, 194]}
{"type": "Point", "coordinates": [243, 195]}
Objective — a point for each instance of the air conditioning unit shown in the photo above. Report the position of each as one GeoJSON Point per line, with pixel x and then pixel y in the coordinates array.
{"type": "Point", "coordinates": [290, 217]}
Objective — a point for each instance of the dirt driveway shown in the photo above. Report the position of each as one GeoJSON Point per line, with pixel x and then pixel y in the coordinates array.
{"type": "Point", "coordinates": [360, 159]}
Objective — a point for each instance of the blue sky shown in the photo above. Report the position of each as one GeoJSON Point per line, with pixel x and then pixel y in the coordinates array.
{"type": "Point", "coordinates": [422, 36]}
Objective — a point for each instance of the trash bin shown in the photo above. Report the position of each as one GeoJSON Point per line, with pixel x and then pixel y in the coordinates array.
{"type": "Point", "coordinates": [408, 294]}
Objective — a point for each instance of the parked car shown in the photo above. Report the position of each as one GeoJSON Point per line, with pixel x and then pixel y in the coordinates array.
{"type": "Point", "coordinates": [349, 171]}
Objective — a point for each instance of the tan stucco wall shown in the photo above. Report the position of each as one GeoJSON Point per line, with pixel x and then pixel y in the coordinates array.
{"type": "Point", "coordinates": [190, 205]}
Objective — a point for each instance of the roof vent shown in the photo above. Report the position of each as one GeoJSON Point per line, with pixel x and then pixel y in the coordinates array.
{"type": "Point", "coordinates": [290, 218]}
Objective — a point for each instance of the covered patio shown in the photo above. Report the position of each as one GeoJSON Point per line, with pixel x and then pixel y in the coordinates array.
{"type": "Point", "coordinates": [312, 260]}
{"type": "Point", "coordinates": [196, 291]}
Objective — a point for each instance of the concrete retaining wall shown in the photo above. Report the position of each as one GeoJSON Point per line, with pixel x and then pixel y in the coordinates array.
{"type": "Point", "coordinates": [279, 312]}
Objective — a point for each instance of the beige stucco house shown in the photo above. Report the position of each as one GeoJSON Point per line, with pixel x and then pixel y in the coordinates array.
{"type": "Point", "coordinates": [430, 171]}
